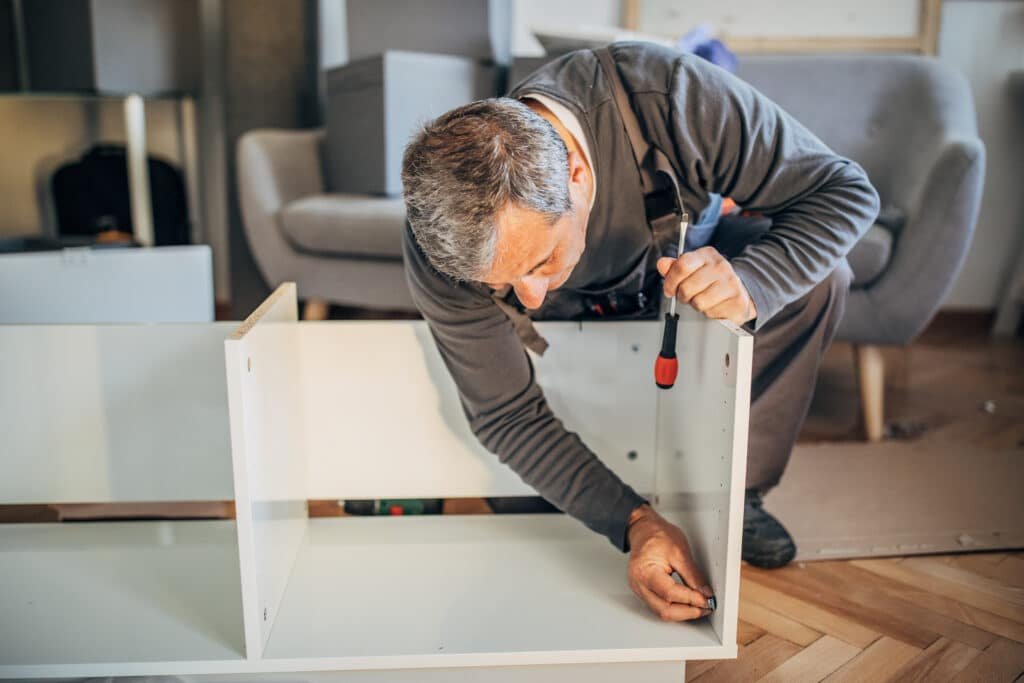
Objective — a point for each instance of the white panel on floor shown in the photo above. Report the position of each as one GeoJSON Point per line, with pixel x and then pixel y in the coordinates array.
{"type": "Point", "coordinates": [113, 413]}
{"type": "Point", "coordinates": [122, 285]}
{"type": "Point", "coordinates": [702, 453]}
{"type": "Point", "coordinates": [379, 400]}
{"type": "Point", "coordinates": [268, 452]}
{"type": "Point", "coordinates": [633, 672]}
{"type": "Point", "coordinates": [82, 599]}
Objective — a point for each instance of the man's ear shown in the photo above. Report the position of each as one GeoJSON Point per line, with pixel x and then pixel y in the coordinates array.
{"type": "Point", "coordinates": [577, 168]}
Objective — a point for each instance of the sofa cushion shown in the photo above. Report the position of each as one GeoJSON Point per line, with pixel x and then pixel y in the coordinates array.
{"type": "Point", "coordinates": [346, 225]}
{"type": "Point", "coordinates": [870, 255]}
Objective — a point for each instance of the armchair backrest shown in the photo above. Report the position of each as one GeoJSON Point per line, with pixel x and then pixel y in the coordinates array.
{"type": "Point", "coordinates": [889, 113]}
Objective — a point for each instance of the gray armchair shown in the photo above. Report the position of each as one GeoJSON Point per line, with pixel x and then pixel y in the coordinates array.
{"type": "Point", "coordinates": [337, 248]}
{"type": "Point", "coordinates": [909, 121]}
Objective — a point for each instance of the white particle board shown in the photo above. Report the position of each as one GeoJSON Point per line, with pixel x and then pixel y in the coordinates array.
{"type": "Point", "coordinates": [378, 400]}
{"type": "Point", "coordinates": [268, 454]}
{"type": "Point", "coordinates": [466, 590]}
{"type": "Point", "coordinates": [115, 285]}
{"type": "Point", "coordinates": [702, 452]}
{"type": "Point", "coordinates": [633, 672]}
{"type": "Point", "coordinates": [102, 597]}
{"type": "Point", "coordinates": [502, 595]}
{"type": "Point", "coordinates": [113, 413]}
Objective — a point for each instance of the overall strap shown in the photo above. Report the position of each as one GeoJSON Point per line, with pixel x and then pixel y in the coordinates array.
{"type": "Point", "coordinates": [656, 172]}
{"type": "Point", "coordinates": [637, 142]}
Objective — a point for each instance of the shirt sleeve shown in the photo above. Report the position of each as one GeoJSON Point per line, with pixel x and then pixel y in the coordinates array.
{"type": "Point", "coordinates": [735, 141]}
{"type": "Point", "coordinates": [505, 406]}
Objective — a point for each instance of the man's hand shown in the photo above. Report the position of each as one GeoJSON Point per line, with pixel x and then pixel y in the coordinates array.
{"type": "Point", "coordinates": [705, 279]}
{"type": "Point", "coordinates": [657, 548]}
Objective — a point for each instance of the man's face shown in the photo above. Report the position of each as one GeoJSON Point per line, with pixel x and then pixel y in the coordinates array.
{"type": "Point", "coordinates": [534, 256]}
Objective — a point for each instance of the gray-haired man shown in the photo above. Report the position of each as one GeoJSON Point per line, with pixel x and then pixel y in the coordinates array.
{"type": "Point", "coordinates": [534, 203]}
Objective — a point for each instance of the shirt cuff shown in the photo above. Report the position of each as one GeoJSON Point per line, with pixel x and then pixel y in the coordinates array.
{"type": "Point", "coordinates": [766, 308]}
{"type": "Point", "coordinates": [619, 533]}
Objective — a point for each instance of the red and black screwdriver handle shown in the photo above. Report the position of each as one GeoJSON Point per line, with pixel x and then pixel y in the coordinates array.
{"type": "Point", "coordinates": [666, 365]}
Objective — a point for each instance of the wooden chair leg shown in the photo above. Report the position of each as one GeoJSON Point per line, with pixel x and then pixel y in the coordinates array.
{"type": "Point", "coordinates": [316, 309]}
{"type": "Point", "coordinates": [871, 379]}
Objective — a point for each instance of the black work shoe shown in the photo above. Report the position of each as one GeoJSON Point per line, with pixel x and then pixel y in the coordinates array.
{"type": "Point", "coordinates": [766, 543]}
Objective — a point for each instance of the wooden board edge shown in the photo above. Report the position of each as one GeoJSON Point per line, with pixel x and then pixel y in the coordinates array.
{"type": "Point", "coordinates": [282, 302]}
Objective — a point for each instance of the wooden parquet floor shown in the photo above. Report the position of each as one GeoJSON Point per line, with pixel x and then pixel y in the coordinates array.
{"type": "Point", "coordinates": [931, 618]}
{"type": "Point", "coordinates": [924, 618]}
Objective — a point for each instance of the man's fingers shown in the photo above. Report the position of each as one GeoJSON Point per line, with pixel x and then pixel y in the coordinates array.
{"type": "Point", "coordinates": [691, 574]}
{"type": "Point", "coordinates": [671, 611]}
{"type": "Point", "coordinates": [665, 587]}
{"type": "Point", "coordinates": [718, 293]}
{"type": "Point", "coordinates": [730, 309]}
{"type": "Point", "coordinates": [682, 268]}
{"type": "Point", "coordinates": [699, 281]}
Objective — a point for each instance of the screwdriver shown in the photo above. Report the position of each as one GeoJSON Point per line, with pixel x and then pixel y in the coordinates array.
{"type": "Point", "coordinates": [666, 366]}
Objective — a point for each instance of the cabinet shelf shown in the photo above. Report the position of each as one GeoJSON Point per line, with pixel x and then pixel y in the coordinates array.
{"type": "Point", "coordinates": [107, 596]}
{"type": "Point", "coordinates": [475, 589]}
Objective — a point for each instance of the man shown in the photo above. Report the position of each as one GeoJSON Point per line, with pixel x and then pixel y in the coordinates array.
{"type": "Point", "coordinates": [534, 203]}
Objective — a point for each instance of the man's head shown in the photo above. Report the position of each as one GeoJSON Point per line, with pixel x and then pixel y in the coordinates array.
{"type": "Point", "coordinates": [494, 195]}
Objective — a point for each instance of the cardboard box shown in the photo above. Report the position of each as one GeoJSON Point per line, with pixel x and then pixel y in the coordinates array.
{"type": "Point", "coordinates": [375, 105]}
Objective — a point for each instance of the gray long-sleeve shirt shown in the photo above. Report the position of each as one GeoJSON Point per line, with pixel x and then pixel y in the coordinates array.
{"type": "Point", "coordinates": [721, 136]}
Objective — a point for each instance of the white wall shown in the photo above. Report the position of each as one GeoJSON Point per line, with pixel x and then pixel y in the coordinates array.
{"type": "Point", "coordinates": [985, 41]}
{"type": "Point", "coordinates": [567, 14]}
{"type": "Point", "coordinates": [333, 36]}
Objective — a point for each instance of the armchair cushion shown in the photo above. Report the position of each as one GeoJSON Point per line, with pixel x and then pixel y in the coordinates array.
{"type": "Point", "coordinates": [346, 225]}
{"type": "Point", "coordinates": [870, 255]}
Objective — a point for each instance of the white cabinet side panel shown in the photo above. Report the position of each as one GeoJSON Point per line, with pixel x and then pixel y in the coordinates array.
{"type": "Point", "coordinates": [702, 447]}
{"type": "Point", "coordinates": [268, 451]}
{"type": "Point", "coordinates": [113, 413]}
{"type": "Point", "coordinates": [151, 285]}
{"type": "Point", "coordinates": [379, 401]}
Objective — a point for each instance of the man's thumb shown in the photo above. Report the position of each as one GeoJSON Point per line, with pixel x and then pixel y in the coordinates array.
{"type": "Point", "coordinates": [664, 263]}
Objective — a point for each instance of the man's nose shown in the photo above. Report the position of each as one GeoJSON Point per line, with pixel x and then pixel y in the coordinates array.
{"type": "Point", "coordinates": [531, 290]}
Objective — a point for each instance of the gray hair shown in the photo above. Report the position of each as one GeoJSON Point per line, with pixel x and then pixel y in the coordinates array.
{"type": "Point", "coordinates": [462, 168]}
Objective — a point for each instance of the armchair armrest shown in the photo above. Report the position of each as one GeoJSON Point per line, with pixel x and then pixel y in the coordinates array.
{"type": "Point", "coordinates": [274, 168]}
{"type": "Point", "coordinates": [930, 250]}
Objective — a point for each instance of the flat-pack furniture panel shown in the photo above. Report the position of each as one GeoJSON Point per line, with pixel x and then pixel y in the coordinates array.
{"type": "Point", "coordinates": [145, 285]}
{"type": "Point", "coordinates": [633, 672]}
{"type": "Point", "coordinates": [117, 598]}
{"type": "Point", "coordinates": [379, 400]}
{"type": "Point", "coordinates": [469, 590]}
{"type": "Point", "coordinates": [268, 453]}
{"type": "Point", "coordinates": [113, 413]}
{"type": "Point", "coordinates": [702, 453]}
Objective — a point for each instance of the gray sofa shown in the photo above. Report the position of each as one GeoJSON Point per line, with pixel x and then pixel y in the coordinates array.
{"type": "Point", "coordinates": [908, 120]}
